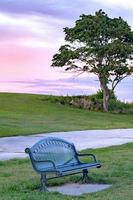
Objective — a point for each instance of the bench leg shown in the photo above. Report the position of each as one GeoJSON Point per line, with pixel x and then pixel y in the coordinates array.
{"type": "Point", "coordinates": [85, 178]}
{"type": "Point", "coordinates": [43, 183]}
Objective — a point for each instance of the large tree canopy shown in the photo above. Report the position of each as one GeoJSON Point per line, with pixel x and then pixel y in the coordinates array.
{"type": "Point", "coordinates": [101, 45]}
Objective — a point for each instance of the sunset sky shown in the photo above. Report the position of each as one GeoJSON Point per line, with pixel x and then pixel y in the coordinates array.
{"type": "Point", "coordinates": [31, 31]}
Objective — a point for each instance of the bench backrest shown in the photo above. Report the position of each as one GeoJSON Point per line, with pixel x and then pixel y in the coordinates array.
{"type": "Point", "coordinates": [59, 151]}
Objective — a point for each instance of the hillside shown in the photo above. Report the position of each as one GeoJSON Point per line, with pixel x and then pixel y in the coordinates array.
{"type": "Point", "coordinates": [25, 114]}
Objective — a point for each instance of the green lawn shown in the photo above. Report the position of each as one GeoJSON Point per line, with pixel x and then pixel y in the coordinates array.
{"type": "Point", "coordinates": [18, 181]}
{"type": "Point", "coordinates": [24, 114]}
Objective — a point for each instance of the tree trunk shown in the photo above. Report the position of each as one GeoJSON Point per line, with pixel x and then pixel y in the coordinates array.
{"type": "Point", "coordinates": [106, 95]}
{"type": "Point", "coordinates": [106, 99]}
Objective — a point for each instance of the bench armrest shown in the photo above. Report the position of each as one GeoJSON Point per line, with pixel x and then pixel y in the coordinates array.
{"type": "Point", "coordinates": [53, 165]}
{"type": "Point", "coordinates": [54, 169]}
{"type": "Point", "coordinates": [87, 154]}
{"type": "Point", "coordinates": [33, 160]}
{"type": "Point", "coordinates": [46, 161]}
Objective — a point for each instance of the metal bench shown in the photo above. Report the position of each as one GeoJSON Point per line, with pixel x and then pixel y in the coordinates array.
{"type": "Point", "coordinates": [54, 157]}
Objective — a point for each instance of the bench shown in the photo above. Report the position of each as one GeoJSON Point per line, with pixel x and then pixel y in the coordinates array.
{"type": "Point", "coordinates": [54, 157]}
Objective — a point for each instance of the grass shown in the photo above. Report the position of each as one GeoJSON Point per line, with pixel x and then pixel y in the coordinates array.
{"type": "Point", "coordinates": [19, 182]}
{"type": "Point", "coordinates": [25, 114]}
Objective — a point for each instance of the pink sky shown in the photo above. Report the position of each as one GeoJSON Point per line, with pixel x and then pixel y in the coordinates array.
{"type": "Point", "coordinates": [24, 63]}
{"type": "Point", "coordinates": [32, 31]}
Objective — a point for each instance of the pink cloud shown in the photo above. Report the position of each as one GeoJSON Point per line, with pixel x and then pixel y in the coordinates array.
{"type": "Point", "coordinates": [20, 62]}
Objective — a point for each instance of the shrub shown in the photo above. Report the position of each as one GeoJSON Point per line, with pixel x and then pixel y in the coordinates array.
{"type": "Point", "coordinates": [93, 102]}
{"type": "Point", "coordinates": [120, 107]}
{"type": "Point", "coordinates": [99, 95]}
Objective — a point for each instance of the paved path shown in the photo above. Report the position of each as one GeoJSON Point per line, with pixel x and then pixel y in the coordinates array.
{"type": "Point", "coordinates": [13, 147]}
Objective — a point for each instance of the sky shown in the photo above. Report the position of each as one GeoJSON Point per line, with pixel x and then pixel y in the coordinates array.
{"type": "Point", "coordinates": [31, 32]}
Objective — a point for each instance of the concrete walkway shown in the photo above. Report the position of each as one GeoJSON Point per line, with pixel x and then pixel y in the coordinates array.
{"type": "Point", "coordinates": [13, 147]}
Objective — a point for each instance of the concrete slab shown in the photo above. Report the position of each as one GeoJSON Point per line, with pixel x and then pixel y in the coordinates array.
{"type": "Point", "coordinates": [78, 189]}
{"type": "Point", "coordinates": [13, 147]}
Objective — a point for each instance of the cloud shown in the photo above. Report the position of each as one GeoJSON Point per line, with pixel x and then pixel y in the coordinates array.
{"type": "Point", "coordinates": [40, 7]}
{"type": "Point", "coordinates": [38, 23]}
{"type": "Point", "coordinates": [54, 87]}
{"type": "Point", "coordinates": [29, 31]}
{"type": "Point", "coordinates": [67, 86]}
{"type": "Point", "coordinates": [128, 4]}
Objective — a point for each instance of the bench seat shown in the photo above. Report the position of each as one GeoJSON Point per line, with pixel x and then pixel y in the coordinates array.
{"type": "Point", "coordinates": [70, 168]}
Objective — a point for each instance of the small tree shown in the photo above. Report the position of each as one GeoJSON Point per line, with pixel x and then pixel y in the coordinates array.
{"type": "Point", "coordinates": [100, 45]}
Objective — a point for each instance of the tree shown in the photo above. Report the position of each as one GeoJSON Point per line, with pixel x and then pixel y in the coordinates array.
{"type": "Point", "coordinates": [101, 45]}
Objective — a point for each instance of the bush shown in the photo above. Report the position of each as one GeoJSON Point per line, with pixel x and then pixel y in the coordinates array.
{"type": "Point", "coordinates": [99, 95]}
{"type": "Point", "coordinates": [120, 107]}
{"type": "Point", "coordinates": [93, 102]}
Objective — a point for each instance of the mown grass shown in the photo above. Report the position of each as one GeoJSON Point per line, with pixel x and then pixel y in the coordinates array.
{"type": "Point", "coordinates": [24, 114]}
{"type": "Point", "coordinates": [19, 182]}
